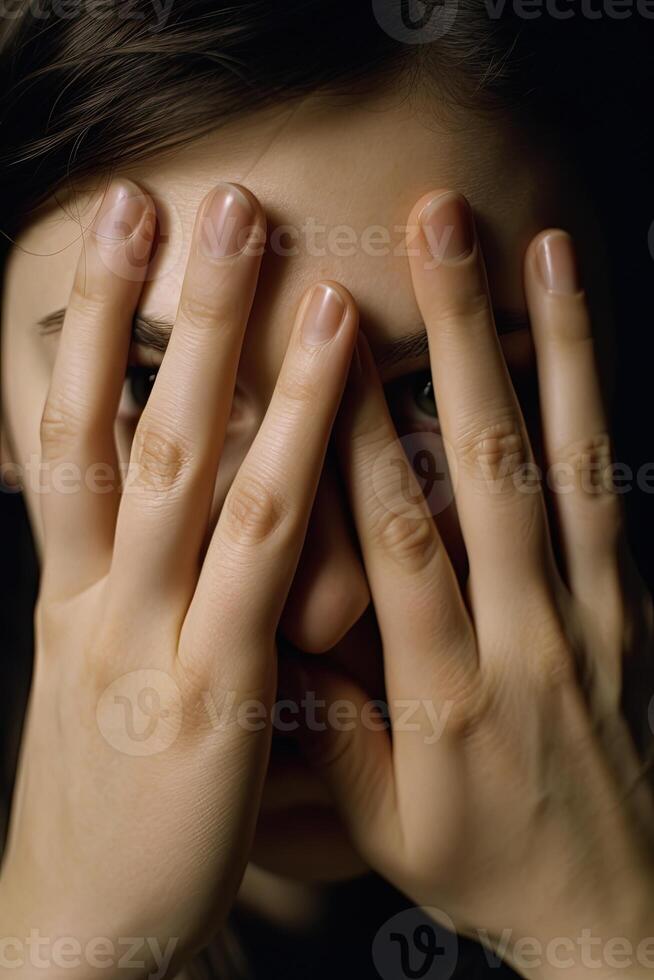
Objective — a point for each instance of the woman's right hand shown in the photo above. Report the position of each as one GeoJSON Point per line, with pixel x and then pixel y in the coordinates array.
{"type": "Point", "coordinates": [141, 769]}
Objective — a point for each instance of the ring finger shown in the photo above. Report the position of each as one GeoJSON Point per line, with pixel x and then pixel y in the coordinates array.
{"type": "Point", "coordinates": [500, 507]}
{"type": "Point", "coordinates": [575, 425]}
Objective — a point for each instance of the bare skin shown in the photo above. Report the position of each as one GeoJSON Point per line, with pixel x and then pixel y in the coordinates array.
{"type": "Point", "coordinates": [191, 582]}
{"type": "Point", "coordinates": [389, 151]}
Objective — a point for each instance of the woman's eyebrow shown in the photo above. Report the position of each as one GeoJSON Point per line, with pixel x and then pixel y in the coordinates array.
{"type": "Point", "coordinates": [415, 345]}
{"type": "Point", "coordinates": [154, 333]}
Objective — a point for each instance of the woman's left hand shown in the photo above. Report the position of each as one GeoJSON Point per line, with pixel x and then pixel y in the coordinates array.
{"type": "Point", "coordinates": [511, 796]}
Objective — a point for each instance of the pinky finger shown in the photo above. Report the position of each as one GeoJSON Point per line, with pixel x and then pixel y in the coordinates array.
{"type": "Point", "coordinates": [577, 441]}
{"type": "Point", "coordinates": [77, 426]}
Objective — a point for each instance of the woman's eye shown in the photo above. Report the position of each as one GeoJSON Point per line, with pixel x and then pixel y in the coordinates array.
{"type": "Point", "coordinates": [423, 395]}
{"type": "Point", "coordinates": [406, 395]}
{"type": "Point", "coordinates": [412, 398]}
{"type": "Point", "coordinates": [139, 384]}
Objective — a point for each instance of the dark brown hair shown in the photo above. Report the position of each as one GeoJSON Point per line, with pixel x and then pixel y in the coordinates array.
{"type": "Point", "coordinates": [86, 85]}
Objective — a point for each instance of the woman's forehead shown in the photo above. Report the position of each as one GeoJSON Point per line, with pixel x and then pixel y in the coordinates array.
{"type": "Point", "coordinates": [337, 185]}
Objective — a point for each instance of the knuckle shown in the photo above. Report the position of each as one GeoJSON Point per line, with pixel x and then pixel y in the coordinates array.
{"type": "Point", "coordinates": [196, 308]}
{"type": "Point", "coordinates": [588, 462]}
{"type": "Point", "coordinates": [89, 299]}
{"type": "Point", "coordinates": [160, 459]}
{"type": "Point", "coordinates": [471, 305]}
{"type": "Point", "coordinates": [253, 511]}
{"type": "Point", "coordinates": [60, 427]}
{"type": "Point", "coordinates": [201, 307]}
{"type": "Point", "coordinates": [297, 388]}
{"type": "Point", "coordinates": [494, 452]}
{"type": "Point", "coordinates": [372, 439]}
{"type": "Point", "coordinates": [408, 539]}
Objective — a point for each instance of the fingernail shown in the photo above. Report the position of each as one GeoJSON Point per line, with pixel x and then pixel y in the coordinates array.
{"type": "Point", "coordinates": [120, 213]}
{"type": "Point", "coordinates": [324, 315]}
{"type": "Point", "coordinates": [557, 263]}
{"type": "Point", "coordinates": [448, 227]}
{"type": "Point", "coordinates": [226, 223]}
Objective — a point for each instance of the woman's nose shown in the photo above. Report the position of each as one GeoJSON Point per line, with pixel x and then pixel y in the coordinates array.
{"type": "Point", "coordinates": [330, 592]}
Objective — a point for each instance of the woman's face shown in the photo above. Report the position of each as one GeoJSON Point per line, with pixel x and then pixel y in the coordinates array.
{"type": "Point", "coordinates": [337, 181]}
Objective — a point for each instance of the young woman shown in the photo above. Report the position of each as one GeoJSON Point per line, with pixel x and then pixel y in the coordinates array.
{"type": "Point", "coordinates": [239, 256]}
